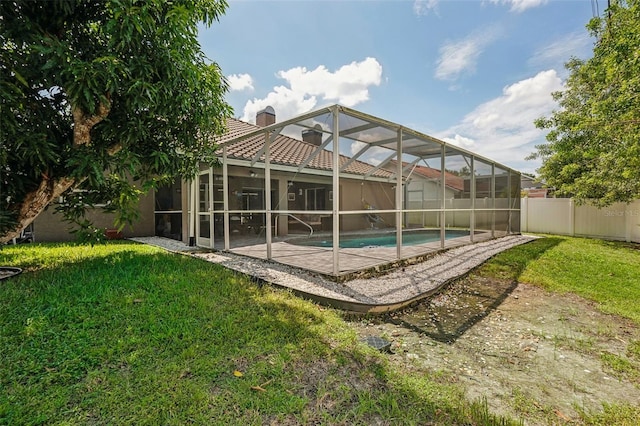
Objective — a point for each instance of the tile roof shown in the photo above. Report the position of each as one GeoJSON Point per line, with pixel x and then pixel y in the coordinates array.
{"type": "Point", "coordinates": [287, 151]}
{"type": "Point", "coordinates": [450, 180]}
{"type": "Point", "coordinates": [536, 192]}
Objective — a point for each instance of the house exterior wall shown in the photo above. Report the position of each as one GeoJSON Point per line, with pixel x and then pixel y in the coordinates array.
{"type": "Point", "coordinates": [354, 195]}
{"type": "Point", "coordinates": [361, 195]}
{"type": "Point", "coordinates": [50, 227]}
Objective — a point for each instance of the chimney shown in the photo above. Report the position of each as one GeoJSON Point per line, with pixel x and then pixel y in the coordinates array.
{"type": "Point", "coordinates": [313, 136]}
{"type": "Point", "coordinates": [266, 117]}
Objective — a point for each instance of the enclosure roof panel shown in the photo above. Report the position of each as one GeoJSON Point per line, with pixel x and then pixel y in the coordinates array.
{"type": "Point", "coordinates": [285, 150]}
{"type": "Point", "coordinates": [371, 132]}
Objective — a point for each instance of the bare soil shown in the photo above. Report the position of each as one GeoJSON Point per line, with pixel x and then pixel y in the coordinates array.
{"type": "Point", "coordinates": [534, 355]}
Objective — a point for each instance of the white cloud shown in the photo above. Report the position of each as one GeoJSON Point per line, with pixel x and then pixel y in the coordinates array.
{"type": "Point", "coordinates": [502, 128]}
{"type": "Point", "coordinates": [349, 85]}
{"type": "Point", "coordinates": [521, 5]}
{"type": "Point", "coordinates": [459, 57]}
{"type": "Point", "coordinates": [460, 141]}
{"type": "Point", "coordinates": [355, 147]}
{"type": "Point", "coordinates": [557, 53]}
{"type": "Point", "coordinates": [423, 7]}
{"type": "Point", "coordinates": [238, 82]}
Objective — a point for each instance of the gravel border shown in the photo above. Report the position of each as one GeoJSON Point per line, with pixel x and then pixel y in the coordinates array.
{"type": "Point", "coordinates": [388, 292]}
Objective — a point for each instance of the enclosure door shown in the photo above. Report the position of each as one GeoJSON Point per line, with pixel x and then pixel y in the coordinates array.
{"type": "Point", "coordinates": [204, 217]}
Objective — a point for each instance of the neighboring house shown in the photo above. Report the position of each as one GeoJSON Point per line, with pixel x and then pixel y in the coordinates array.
{"type": "Point", "coordinates": [532, 188]}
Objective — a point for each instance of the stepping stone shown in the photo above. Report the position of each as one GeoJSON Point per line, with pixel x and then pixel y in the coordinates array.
{"type": "Point", "coordinates": [378, 343]}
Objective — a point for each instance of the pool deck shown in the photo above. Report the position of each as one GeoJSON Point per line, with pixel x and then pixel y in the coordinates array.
{"type": "Point", "coordinates": [388, 292]}
{"type": "Point", "coordinates": [352, 260]}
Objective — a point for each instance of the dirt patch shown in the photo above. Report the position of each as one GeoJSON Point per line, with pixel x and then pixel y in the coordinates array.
{"type": "Point", "coordinates": [532, 354]}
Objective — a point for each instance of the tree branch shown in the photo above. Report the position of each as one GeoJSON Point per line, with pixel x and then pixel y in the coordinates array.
{"type": "Point", "coordinates": [83, 123]}
{"type": "Point", "coordinates": [50, 189]}
{"type": "Point", "coordinates": [35, 202]}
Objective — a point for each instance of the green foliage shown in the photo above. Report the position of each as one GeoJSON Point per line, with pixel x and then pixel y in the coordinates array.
{"type": "Point", "coordinates": [593, 148]}
{"type": "Point", "coordinates": [138, 60]}
{"type": "Point", "coordinates": [633, 350]}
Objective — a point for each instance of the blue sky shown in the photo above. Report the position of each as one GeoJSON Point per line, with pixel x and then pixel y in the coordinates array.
{"type": "Point", "coordinates": [472, 73]}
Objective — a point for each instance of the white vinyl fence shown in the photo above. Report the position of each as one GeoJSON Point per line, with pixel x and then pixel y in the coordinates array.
{"type": "Point", "coordinates": [562, 216]}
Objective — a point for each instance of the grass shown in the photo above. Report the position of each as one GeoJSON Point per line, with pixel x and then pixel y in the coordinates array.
{"type": "Point", "coordinates": [620, 365]}
{"type": "Point", "coordinates": [605, 272]}
{"type": "Point", "coordinates": [128, 334]}
{"type": "Point", "coordinates": [633, 350]}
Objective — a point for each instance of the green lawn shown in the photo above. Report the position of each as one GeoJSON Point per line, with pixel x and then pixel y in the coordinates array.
{"type": "Point", "coordinates": [128, 334]}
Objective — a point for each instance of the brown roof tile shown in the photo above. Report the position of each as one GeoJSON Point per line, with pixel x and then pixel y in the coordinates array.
{"type": "Point", "coordinates": [451, 180]}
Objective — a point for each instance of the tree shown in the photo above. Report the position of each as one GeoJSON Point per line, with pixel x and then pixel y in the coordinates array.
{"type": "Point", "coordinates": [95, 93]}
{"type": "Point", "coordinates": [593, 146]}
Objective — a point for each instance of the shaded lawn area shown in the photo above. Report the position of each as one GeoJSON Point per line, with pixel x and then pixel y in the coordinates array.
{"type": "Point", "coordinates": [126, 333]}
{"type": "Point", "coordinates": [606, 272]}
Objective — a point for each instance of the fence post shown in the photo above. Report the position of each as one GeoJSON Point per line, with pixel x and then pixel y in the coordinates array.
{"type": "Point", "coordinates": [629, 214]}
{"type": "Point", "coordinates": [572, 218]}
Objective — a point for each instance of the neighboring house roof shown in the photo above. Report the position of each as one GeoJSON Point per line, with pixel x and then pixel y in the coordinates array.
{"type": "Point", "coordinates": [536, 192]}
{"type": "Point", "coordinates": [530, 182]}
{"type": "Point", "coordinates": [450, 180]}
{"type": "Point", "coordinates": [287, 151]}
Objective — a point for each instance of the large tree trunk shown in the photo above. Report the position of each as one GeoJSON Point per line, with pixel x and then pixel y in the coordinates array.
{"type": "Point", "coordinates": [35, 202]}
{"type": "Point", "coordinates": [51, 188]}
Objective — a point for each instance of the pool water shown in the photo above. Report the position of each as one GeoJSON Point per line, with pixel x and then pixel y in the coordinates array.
{"type": "Point", "coordinates": [383, 240]}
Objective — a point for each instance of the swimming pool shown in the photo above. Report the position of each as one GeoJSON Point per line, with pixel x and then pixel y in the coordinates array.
{"type": "Point", "coordinates": [387, 239]}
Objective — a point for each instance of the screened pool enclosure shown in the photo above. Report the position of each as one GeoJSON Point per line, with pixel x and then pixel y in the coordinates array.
{"type": "Point", "coordinates": [338, 191]}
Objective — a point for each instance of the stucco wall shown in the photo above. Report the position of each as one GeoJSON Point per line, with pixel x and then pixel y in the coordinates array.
{"type": "Point", "coordinates": [357, 195]}
{"type": "Point", "coordinates": [51, 227]}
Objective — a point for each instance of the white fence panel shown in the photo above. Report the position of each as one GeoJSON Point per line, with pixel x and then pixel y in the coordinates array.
{"type": "Point", "coordinates": [547, 216]}
{"type": "Point", "coordinates": [561, 216]}
{"type": "Point", "coordinates": [607, 222]}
